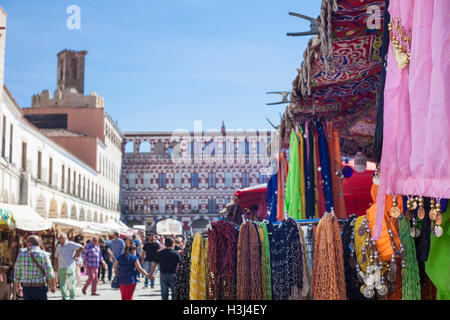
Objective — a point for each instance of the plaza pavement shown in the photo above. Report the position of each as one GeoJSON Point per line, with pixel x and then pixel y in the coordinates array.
{"type": "Point", "coordinates": [108, 293]}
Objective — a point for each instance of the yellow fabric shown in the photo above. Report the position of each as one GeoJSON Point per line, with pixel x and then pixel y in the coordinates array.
{"type": "Point", "coordinates": [359, 243]}
{"type": "Point", "coordinates": [199, 267]}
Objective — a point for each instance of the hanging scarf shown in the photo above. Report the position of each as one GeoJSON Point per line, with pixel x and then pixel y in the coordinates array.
{"type": "Point", "coordinates": [199, 284]}
{"type": "Point", "coordinates": [281, 193]}
{"type": "Point", "coordinates": [182, 275]}
{"type": "Point", "coordinates": [335, 170]}
{"type": "Point", "coordinates": [266, 273]}
{"type": "Point", "coordinates": [320, 194]}
{"type": "Point", "coordinates": [301, 160]}
{"type": "Point", "coordinates": [305, 292]}
{"type": "Point", "coordinates": [316, 173]}
{"type": "Point", "coordinates": [272, 198]}
{"type": "Point", "coordinates": [351, 278]}
{"type": "Point", "coordinates": [286, 260]}
{"type": "Point", "coordinates": [410, 279]}
{"type": "Point", "coordinates": [328, 277]}
{"type": "Point", "coordinates": [325, 168]}
{"type": "Point", "coordinates": [222, 253]}
{"type": "Point", "coordinates": [438, 264]}
{"type": "Point", "coordinates": [248, 264]}
{"type": "Point", "coordinates": [293, 201]}
{"type": "Point", "coordinates": [310, 199]}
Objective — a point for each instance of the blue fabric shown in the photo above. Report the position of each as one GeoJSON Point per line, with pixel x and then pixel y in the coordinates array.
{"type": "Point", "coordinates": [272, 197]}
{"type": "Point", "coordinates": [117, 247]}
{"type": "Point", "coordinates": [310, 197]}
{"type": "Point", "coordinates": [324, 164]}
{"type": "Point", "coordinates": [167, 281]}
{"type": "Point", "coordinates": [147, 267]}
{"type": "Point", "coordinates": [35, 293]}
{"type": "Point", "coordinates": [127, 269]}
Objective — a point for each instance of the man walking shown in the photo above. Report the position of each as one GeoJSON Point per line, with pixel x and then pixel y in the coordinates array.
{"type": "Point", "coordinates": [66, 253]}
{"type": "Point", "coordinates": [151, 249]}
{"type": "Point", "coordinates": [92, 257]}
{"type": "Point", "coordinates": [168, 260]}
{"type": "Point", "coordinates": [117, 245]}
{"type": "Point", "coordinates": [32, 271]}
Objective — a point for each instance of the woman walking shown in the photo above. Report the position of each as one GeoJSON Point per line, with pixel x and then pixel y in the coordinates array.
{"type": "Point", "coordinates": [126, 267]}
{"type": "Point", "coordinates": [92, 257]}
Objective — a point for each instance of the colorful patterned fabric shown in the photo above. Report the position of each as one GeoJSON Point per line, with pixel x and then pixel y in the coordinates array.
{"type": "Point", "coordinates": [27, 272]}
{"type": "Point", "coordinates": [340, 76]}
{"type": "Point", "coordinates": [93, 255]}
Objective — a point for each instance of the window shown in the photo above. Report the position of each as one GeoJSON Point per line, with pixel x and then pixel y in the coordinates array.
{"type": "Point", "coordinates": [62, 177]}
{"type": "Point", "coordinates": [79, 185]}
{"type": "Point", "coordinates": [146, 180]}
{"type": "Point", "coordinates": [211, 180]}
{"type": "Point", "coordinates": [194, 180]}
{"type": "Point", "coordinates": [4, 136]}
{"type": "Point", "coordinates": [50, 171]}
{"type": "Point", "coordinates": [84, 187]}
{"type": "Point", "coordinates": [177, 180]}
{"type": "Point", "coordinates": [211, 205]}
{"type": "Point", "coordinates": [177, 206]}
{"type": "Point", "coordinates": [131, 180]}
{"type": "Point", "coordinates": [24, 156]}
{"type": "Point", "coordinates": [39, 165]}
{"type": "Point", "coordinates": [262, 178]}
{"type": "Point", "coordinates": [194, 205]}
{"type": "Point", "coordinates": [245, 179]}
{"type": "Point", "coordinates": [162, 180]}
{"type": "Point", "coordinates": [210, 148]}
{"type": "Point", "coordinates": [10, 142]}
{"type": "Point", "coordinates": [228, 179]}
{"type": "Point", "coordinates": [162, 206]}
{"type": "Point", "coordinates": [74, 190]}
{"type": "Point", "coordinates": [68, 180]}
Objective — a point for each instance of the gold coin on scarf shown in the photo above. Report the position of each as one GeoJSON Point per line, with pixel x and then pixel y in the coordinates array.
{"type": "Point", "coordinates": [395, 212]}
{"type": "Point", "coordinates": [421, 213]}
{"type": "Point", "coordinates": [393, 267]}
{"type": "Point", "coordinates": [391, 276]}
{"type": "Point", "coordinates": [368, 293]}
{"type": "Point", "coordinates": [383, 290]}
{"type": "Point", "coordinates": [417, 233]}
{"type": "Point", "coordinates": [370, 280]}
{"type": "Point", "coordinates": [439, 219]}
{"type": "Point", "coordinates": [362, 289]}
{"type": "Point", "coordinates": [437, 231]}
{"type": "Point", "coordinates": [414, 205]}
{"type": "Point", "coordinates": [433, 214]}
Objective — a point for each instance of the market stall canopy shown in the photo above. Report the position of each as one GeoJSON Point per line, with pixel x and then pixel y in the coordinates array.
{"type": "Point", "coordinates": [169, 227]}
{"type": "Point", "coordinates": [69, 223]}
{"type": "Point", "coordinates": [339, 79]}
{"type": "Point", "coordinates": [26, 218]}
{"type": "Point", "coordinates": [255, 195]}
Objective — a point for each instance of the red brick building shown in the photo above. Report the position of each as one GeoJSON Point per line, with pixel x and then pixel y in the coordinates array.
{"type": "Point", "coordinates": [189, 176]}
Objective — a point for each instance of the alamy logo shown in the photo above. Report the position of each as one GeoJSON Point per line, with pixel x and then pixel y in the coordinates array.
{"type": "Point", "coordinates": [74, 20]}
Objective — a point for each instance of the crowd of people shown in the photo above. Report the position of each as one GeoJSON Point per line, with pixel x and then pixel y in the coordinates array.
{"type": "Point", "coordinates": [120, 261]}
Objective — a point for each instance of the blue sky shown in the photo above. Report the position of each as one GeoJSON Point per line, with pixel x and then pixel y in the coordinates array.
{"type": "Point", "coordinates": [161, 64]}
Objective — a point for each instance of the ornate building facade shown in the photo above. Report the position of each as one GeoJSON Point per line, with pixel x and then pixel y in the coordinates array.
{"type": "Point", "coordinates": [189, 176]}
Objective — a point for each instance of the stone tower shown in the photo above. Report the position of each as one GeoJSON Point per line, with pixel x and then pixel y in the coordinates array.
{"type": "Point", "coordinates": [71, 70]}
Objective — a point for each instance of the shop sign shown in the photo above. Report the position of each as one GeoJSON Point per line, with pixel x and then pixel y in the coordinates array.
{"type": "Point", "coordinates": [6, 218]}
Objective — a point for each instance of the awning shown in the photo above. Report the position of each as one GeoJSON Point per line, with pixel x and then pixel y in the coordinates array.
{"type": "Point", "coordinates": [26, 218]}
{"type": "Point", "coordinates": [69, 223]}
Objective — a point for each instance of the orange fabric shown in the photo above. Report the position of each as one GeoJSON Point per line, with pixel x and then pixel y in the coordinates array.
{"type": "Point", "coordinates": [384, 246]}
{"type": "Point", "coordinates": [282, 174]}
{"type": "Point", "coordinates": [336, 165]}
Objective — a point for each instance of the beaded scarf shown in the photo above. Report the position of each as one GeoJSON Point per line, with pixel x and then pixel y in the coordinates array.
{"type": "Point", "coordinates": [222, 254]}
{"type": "Point", "coordinates": [248, 270]}
{"type": "Point", "coordinates": [286, 260]}
{"type": "Point", "coordinates": [182, 275]}
{"type": "Point", "coordinates": [199, 268]}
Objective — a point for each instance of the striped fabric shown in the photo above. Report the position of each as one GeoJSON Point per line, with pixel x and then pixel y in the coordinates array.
{"type": "Point", "coordinates": [27, 272]}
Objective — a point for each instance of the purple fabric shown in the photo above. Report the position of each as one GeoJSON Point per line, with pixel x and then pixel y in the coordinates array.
{"type": "Point", "coordinates": [416, 145]}
{"type": "Point", "coordinates": [93, 255]}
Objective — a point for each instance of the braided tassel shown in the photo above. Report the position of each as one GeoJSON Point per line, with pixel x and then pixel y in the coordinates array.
{"type": "Point", "coordinates": [410, 276]}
